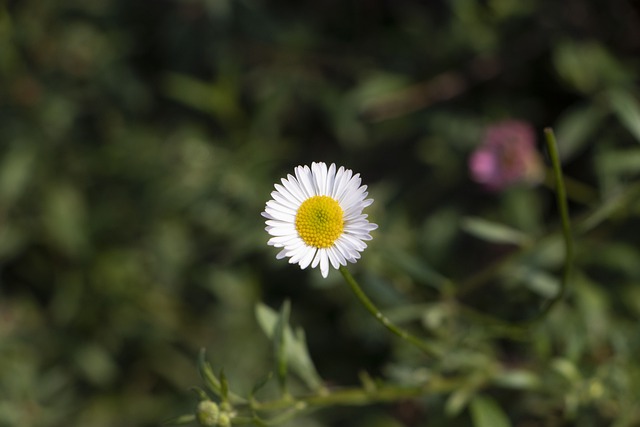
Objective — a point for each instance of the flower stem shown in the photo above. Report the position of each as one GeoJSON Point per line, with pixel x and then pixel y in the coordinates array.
{"type": "Point", "coordinates": [396, 330]}
{"type": "Point", "coordinates": [360, 396]}
{"type": "Point", "coordinates": [563, 209]}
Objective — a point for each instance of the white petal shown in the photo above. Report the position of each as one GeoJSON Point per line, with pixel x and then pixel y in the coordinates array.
{"type": "Point", "coordinates": [342, 178]}
{"type": "Point", "coordinates": [316, 260]}
{"type": "Point", "coordinates": [350, 188]}
{"type": "Point", "coordinates": [324, 263]}
{"type": "Point", "coordinates": [303, 173]}
{"type": "Point", "coordinates": [308, 257]}
{"type": "Point", "coordinates": [282, 231]}
{"type": "Point", "coordinates": [281, 216]}
{"type": "Point", "coordinates": [284, 241]}
{"type": "Point", "coordinates": [331, 178]}
{"type": "Point", "coordinates": [292, 185]}
{"type": "Point", "coordinates": [333, 258]}
{"type": "Point", "coordinates": [319, 177]}
{"type": "Point", "coordinates": [297, 254]}
{"type": "Point", "coordinates": [285, 200]}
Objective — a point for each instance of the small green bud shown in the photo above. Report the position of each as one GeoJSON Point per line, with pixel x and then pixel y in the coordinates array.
{"type": "Point", "coordinates": [224, 420]}
{"type": "Point", "coordinates": [207, 413]}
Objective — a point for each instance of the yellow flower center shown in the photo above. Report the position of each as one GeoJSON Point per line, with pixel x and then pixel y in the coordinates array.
{"type": "Point", "coordinates": [319, 221]}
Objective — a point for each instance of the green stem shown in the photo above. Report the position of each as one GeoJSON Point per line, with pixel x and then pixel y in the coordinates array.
{"type": "Point", "coordinates": [371, 308]}
{"type": "Point", "coordinates": [361, 396]}
{"type": "Point", "coordinates": [563, 208]}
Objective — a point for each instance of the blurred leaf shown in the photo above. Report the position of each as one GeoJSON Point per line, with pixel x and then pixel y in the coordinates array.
{"type": "Point", "coordinates": [576, 128]}
{"type": "Point", "coordinates": [376, 89]}
{"type": "Point", "coordinates": [212, 382]}
{"type": "Point", "coordinates": [181, 420]}
{"type": "Point", "coordinates": [218, 98]}
{"type": "Point", "coordinates": [494, 232]}
{"type": "Point", "coordinates": [619, 162]}
{"type": "Point", "coordinates": [297, 353]}
{"type": "Point", "coordinates": [567, 369]}
{"type": "Point", "coordinates": [588, 66]}
{"type": "Point", "coordinates": [594, 307]}
{"type": "Point", "coordinates": [202, 395]}
{"type": "Point", "coordinates": [206, 373]}
{"type": "Point", "coordinates": [96, 364]}
{"type": "Point", "coordinates": [620, 257]}
{"type": "Point", "coordinates": [627, 109]}
{"type": "Point", "coordinates": [15, 171]}
{"type": "Point", "coordinates": [485, 412]}
{"type": "Point", "coordinates": [458, 400]}
{"type": "Point", "coordinates": [260, 384]}
{"type": "Point", "coordinates": [518, 379]}
{"type": "Point", "coordinates": [280, 343]}
{"type": "Point", "coordinates": [12, 238]}
{"type": "Point", "coordinates": [438, 234]}
{"type": "Point", "coordinates": [417, 268]}
{"type": "Point", "coordinates": [224, 386]}
{"type": "Point", "coordinates": [540, 282]}
{"type": "Point", "coordinates": [65, 218]}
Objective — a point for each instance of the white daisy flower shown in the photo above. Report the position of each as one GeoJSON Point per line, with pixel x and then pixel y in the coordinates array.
{"type": "Point", "coordinates": [316, 217]}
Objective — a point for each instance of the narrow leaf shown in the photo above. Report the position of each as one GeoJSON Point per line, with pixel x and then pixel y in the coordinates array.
{"type": "Point", "coordinates": [207, 375]}
{"type": "Point", "coordinates": [280, 343]}
{"type": "Point", "coordinates": [628, 110]}
{"type": "Point", "coordinates": [494, 232]}
{"type": "Point", "coordinates": [224, 386]}
{"type": "Point", "coordinates": [576, 128]}
{"type": "Point", "coordinates": [212, 382]}
{"type": "Point", "coordinates": [181, 420]}
{"type": "Point", "coordinates": [299, 360]}
{"type": "Point", "coordinates": [260, 384]}
{"type": "Point", "coordinates": [202, 395]}
{"type": "Point", "coordinates": [485, 412]}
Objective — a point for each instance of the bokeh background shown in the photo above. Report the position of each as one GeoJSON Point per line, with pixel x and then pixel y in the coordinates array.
{"type": "Point", "coordinates": [139, 141]}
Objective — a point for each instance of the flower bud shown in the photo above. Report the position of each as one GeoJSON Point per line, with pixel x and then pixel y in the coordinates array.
{"type": "Point", "coordinates": [224, 420]}
{"type": "Point", "coordinates": [208, 413]}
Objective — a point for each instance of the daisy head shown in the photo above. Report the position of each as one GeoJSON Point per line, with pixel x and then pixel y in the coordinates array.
{"type": "Point", "coordinates": [316, 217]}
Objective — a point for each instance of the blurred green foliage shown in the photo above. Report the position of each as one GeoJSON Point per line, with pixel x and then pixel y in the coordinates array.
{"type": "Point", "coordinates": [140, 140]}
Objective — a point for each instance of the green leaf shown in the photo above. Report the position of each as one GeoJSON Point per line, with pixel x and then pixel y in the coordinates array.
{"type": "Point", "coordinates": [298, 357]}
{"type": "Point", "coordinates": [540, 282]}
{"type": "Point", "coordinates": [280, 343]}
{"type": "Point", "coordinates": [15, 171]}
{"type": "Point", "coordinates": [576, 127]}
{"type": "Point", "coordinates": [213, 383]}
{"type": "Point", "coordinates": [207, 375]}
{"type": "Point", "coordinates": [518, 379]}
{"type": "Point", "coordinates": [494, 232]}
{"type": "Point", "coordinates": [627, 109]}
{"type": "Point", "coordinates": [181, 420]}
{"type": "Point", "coordinates": [224, 386]}
{"type": "Point", "coordinates": [202, 395]}
{"type": "Point", "coordinates": [260, 384]}
{"type": "Point", "coordinates": [65, 217]}
{"type": "Point", "coordinates": [620, 162]}
{"type": "Point", "coordinates": [458, 400]}
{"type": "Point", "coordinates": [485, 412]}
{"type": "Point", "coordinates": [567, 369]}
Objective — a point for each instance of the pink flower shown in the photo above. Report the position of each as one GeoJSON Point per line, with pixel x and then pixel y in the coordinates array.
{"type": "Point", "coordinates": [507, 156]}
